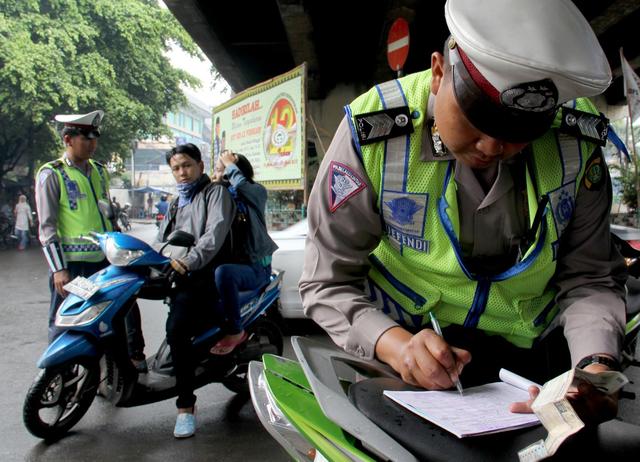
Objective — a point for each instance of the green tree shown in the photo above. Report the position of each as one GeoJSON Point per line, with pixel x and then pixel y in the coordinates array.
{"type": "Point", "coordinates": [626, 181]}
{"type": "Point", "coordinates": [61, 56]}
{"type": "Point", "coordinates": [624, 172]}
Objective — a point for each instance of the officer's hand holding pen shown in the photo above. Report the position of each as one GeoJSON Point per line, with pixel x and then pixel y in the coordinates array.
{"type": "Point", "coordinates": [423, 359]}
{"type": "Point", "coordinates": [436, 327]}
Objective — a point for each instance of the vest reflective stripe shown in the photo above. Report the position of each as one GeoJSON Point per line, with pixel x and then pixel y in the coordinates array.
{"type": "Point", "coordinates": [79, 212]}
{"type": "Point", "coordinates": [418, 264]}
{"type": "Point", "coordinates": [569, 147]}
{"type": "Point", "coordinates": [391, 308]}
{"type": "Point", "coordinates": [395, 158]}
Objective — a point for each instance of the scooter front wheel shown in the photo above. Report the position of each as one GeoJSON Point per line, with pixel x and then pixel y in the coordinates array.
{"type": "Point", "coordinates": [59, 397]}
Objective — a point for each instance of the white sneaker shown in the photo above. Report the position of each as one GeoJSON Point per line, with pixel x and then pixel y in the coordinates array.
{"type": "Point", "coordinates": [185, 425]}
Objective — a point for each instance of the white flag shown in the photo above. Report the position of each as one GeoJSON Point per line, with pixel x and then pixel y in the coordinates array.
{"type": "Point", "coordinates": [631, 87]}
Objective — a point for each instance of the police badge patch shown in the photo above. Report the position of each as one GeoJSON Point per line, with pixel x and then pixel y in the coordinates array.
{"type": "Point", "coordinates": [594, 174]}
{"type": "Point", "coordinates": [344, 184]}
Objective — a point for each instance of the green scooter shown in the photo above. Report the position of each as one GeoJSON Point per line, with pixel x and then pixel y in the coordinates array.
{"type": "Point", "coordinates": [329, 406]}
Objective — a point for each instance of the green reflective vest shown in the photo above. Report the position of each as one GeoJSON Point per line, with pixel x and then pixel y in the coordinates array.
{"type": "Point", "coordinates": [418, 265]}
{"type": "Point", "coordinates": [79, 212]}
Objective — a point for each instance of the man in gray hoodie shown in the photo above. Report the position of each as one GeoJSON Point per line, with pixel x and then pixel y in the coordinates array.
{"type": "Point", "coordinates": [206, 211]}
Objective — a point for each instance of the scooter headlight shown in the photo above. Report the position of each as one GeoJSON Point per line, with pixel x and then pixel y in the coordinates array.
{"type": "Point", "coordinates": [82, 318]}
{"type": "Point", "coordinates": [118, 256]}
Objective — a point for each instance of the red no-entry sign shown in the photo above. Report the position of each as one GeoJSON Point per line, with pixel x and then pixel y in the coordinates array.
{"type": "Point", "coordinates": [398, 44]}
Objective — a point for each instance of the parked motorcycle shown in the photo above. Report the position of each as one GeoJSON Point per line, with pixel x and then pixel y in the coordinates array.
{"type": "Point", "coordinates": [329, 406]}
{"type": "Point", "coordinates": [91, 354]}
{"type": "Point", "coordinates": [7, 237]}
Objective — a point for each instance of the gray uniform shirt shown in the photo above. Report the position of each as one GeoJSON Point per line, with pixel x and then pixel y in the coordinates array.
{"type": "Point", "coordinates": [590, 273]}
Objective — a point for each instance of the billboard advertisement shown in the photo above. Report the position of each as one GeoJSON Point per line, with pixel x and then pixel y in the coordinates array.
{"type": "Point", "coordinates": [266, 123]}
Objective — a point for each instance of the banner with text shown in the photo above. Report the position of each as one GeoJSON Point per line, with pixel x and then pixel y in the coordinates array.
{"type": "Point", "coordinates": [266, 123]}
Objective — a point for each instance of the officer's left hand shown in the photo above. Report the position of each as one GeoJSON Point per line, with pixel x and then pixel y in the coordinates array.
{"type": "Point", "coordinates": [179, 267]}
{"type": "Point", "coordinates": [60, 279]}
{"type": "Point", "coordinates": [592, 406]}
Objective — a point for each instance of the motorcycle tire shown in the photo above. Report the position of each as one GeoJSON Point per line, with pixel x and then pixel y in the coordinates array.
{"type": "Point", "coordinates": [111, 385]}
{"type": "Point", "coordinates": [265, 335]}
{"type": "Point", "coordinates": [59, 397]}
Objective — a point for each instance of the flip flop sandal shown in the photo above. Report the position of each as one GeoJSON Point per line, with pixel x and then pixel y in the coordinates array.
{"type": "Point", "coordinates": [225, 347]}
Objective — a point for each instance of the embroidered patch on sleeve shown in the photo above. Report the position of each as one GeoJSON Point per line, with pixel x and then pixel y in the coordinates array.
{"type": "Point", "coordinates": [343, 184]}
{"type": "Point", "coordinates": [594, 174]}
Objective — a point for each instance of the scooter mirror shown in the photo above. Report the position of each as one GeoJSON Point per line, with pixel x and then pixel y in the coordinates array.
{"type": "Point", "coordinates": [181, 239]}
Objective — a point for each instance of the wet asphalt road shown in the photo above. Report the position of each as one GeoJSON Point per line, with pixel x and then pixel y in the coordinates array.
{"type": "Point", "coordinates": [228, 429]}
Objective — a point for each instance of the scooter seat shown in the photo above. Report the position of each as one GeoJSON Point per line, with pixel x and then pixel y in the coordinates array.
{"type": "Point", "coordinates": [244, 296]}
{"type": "Point", "coordinates": [427, 441]}
{"type": "Point", "coordinates": [614, 440]}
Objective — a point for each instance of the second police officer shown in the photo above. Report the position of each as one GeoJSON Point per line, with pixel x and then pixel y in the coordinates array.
{"type": "Point", "coordinates": [72, 200]}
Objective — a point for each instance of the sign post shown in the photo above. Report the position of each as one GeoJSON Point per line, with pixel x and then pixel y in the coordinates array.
{"type": "Point", "coordinates": [398, 45]}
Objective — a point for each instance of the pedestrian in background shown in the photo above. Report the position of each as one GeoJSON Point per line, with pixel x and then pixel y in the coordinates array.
{"type": "Point", "coordinates": [163, 205]}
{"type": "Point", "coordinates": [24, 221]}
{"type": "Point", "coordinates": [149, 206]}
{"type": "Point", "coordinates": [117, 208]}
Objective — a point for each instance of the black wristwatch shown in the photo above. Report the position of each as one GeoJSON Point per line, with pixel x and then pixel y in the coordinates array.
{"type": "Point", "coordinates": [612, 364]}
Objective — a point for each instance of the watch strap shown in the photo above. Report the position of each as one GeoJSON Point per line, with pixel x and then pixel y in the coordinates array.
{"type": "Point", "coordinates": [611, 363]}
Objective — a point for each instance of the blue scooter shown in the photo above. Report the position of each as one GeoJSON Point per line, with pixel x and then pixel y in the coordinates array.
{"type": "Point", "coordinates": [91, 354]}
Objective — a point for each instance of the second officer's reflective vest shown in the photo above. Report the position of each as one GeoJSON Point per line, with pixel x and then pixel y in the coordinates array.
{"type": "Point", "coordinates": [418, 265]}
{"type": "Point", "coordinates": [79, 212]}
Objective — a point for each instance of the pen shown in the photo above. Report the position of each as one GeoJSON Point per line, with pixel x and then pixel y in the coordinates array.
{"type": "Point", "coordinates": [436, 328]}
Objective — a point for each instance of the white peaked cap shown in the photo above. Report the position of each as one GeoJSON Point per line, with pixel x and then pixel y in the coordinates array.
{"type": "Point", "coordinates": [517, 41]}
{"type": "Point", "coordinates": [92, 119]}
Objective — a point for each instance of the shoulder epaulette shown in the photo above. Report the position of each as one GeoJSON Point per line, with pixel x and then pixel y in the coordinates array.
{"type": "Point", "coordinates": [584, 125]}
{"type": "Point", "coordinates": [376, 126]}
{"type": "Point", "coordinates": [55, 163]}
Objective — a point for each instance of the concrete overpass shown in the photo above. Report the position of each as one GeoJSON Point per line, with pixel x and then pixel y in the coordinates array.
{"type": "Point", "coordinates": [343, 42]}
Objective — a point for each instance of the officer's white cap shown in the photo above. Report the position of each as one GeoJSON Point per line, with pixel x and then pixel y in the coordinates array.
{"type": "Point", "coordinates": [90, 120]}
{"type": "Point", "coordinates": [515, 61]}
{"type": "Point", "coordinates": [517, 41]}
